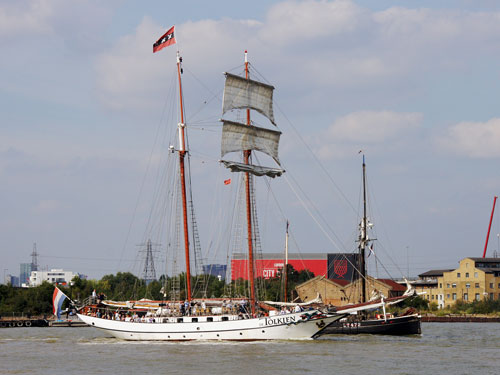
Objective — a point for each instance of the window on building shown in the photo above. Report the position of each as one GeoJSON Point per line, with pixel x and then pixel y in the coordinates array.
{"type": "Point", "coordinates": [467, 285]}
{"type": "Point", "coordinates": [448, 285]}
{"type": "Point", "coordinates": [448, 296]}
{"type": "Point", "coordinates": [432, 297]}
{"type": "Point", "coordinates": [466, 265]}
{"type": "Point", "coordinates": [454, 296]}
{"type": "Point", "coordinates": [492, 296]}
{"type": "Point", "coordinates": [467, 274]}
{"type": "Point", "coordinates": [466, 296]}
{"type": "Point", "coordinates": [477, 285]}
{"type": "Point", "coordinates": [441, 285]}
{"type": "Point", "coordinates": [478, 298]}
{"type": "Point", "coordinates": [453, 285]}
{"type": "Point", "coordinates": [475, 274]}
{"type": "Point", "coordinates": [498, 285]}
{"type": "Point", "coordinates": [491, 286]}
{"type": "Point", "coordinates": [458, 274]}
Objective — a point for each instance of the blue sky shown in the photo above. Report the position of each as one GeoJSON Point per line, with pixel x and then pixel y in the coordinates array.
{"type": "Point", "coordinates": [412, 84]}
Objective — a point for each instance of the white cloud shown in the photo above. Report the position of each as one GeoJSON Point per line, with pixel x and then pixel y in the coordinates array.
{"type": "Point", "coordinates": [294, 22]}
{"type": "Point", "coordinates": [324, 44]}
{"type": "Point", "coordinates": [26, 17]}
{"type": "Point", "coordinates": [372, 129]}
{"type": "Point", "coordinates": [473, 139]}
{"type": "Point", "coordinates": [372, 126]}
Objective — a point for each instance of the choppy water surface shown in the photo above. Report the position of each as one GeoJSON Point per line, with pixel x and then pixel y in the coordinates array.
{"type": "Point", "coordinates": [443, 348]}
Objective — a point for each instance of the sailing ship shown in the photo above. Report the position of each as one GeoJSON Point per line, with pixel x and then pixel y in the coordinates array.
{"type": "Point", "coordinates": [383, 323]}
{"type": "Point", "coordinates": [240, 93]}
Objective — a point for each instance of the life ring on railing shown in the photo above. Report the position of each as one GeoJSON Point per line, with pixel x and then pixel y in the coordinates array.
{"type": "Point", "coordinates": [19, 324]}
{"type": "Point", "coordinates": [27, 323]}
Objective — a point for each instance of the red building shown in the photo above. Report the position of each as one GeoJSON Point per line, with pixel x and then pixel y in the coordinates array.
{"type": "Point", "coordinates": [272, 264]}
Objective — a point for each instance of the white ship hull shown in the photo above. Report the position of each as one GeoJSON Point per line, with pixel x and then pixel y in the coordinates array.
{"type": "Point", "coordinates": [294, 326]}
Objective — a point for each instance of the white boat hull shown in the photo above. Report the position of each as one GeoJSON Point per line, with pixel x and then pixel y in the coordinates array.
{"type": "Point", "coordinates": [279, 327]}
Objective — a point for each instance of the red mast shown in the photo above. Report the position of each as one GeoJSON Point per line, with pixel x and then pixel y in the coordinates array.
{"type": "Point", "coordinates": [246, 157]}
{"type": "Point", "coordinates": [489, 227]}
{"type": "Point", "coordinates": [182, 154]}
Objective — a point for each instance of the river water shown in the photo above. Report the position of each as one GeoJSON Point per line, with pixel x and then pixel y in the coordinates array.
{"type": "Point", "coordinates": [443, 348]}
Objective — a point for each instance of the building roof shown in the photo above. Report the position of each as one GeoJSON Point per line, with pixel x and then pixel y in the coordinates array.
{"type": "Point", "coordinates": [434, 273]}
{"type": "Point", "coordinates": [485, 260]}
{"type": "Point", "coordinates": [341, 282]}
{"type": "Point", "coordinates": [424, 282]}
{"type": "Point", "coordinates": [488, 265]}
{"type": "Point", "coordinates": [394, 285]}
{"type": "Point", "coordinates": [322, 278]}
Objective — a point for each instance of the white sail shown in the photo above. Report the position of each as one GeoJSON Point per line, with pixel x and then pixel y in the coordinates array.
{"type": "Point", "coordinates": [256, 170]}
{"type": "Point", "coordinates": [240, 137]}
{"type": "Point", "coordinates": [241, 93]}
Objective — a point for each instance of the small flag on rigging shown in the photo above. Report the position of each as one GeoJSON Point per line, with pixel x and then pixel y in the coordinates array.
{"type": "Point", "coordinates": [371, 250]}
{"type": "Point", "coordinates": [227, 182]}
{"type": "Point", "coordinates": [166, 40]}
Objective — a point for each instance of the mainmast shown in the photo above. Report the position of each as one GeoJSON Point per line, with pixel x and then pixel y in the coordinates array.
{"type": "Point", "coordinates": [285, 267]}
{"type": "Point", "coordinates": [182, 155]}
{"type": "Point", "coordinates": [248, 191]}
{"type": "Point", "coordinates": [363, 239]}
{"type": "Point", "coordinates": [244, 93]}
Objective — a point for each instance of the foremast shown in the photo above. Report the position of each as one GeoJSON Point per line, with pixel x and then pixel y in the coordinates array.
{"type": "Point", "coordinates": [182, 172]}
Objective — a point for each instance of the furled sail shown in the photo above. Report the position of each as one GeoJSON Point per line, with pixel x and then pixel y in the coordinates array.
{"type": "Point", "coordinates": [240, 137]}
{"type": "Point", "coordinates": [240, 92]}
{"type": "Point", "coordinates": [253, 169]}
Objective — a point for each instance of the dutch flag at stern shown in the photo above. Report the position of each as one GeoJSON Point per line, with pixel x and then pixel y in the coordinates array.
{"type": "Point", "coordinates": [57, 300]}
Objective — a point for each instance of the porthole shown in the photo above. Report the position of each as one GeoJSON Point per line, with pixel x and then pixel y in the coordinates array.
{"type": "Point", "coordinates": [263, 331]}
{"type": "Point", "coordinates": [198, 328]}
{"type": "Point", "coordinates": [241, 333]}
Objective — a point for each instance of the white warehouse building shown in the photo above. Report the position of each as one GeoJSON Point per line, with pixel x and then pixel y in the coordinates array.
{"type": "Point", "coordinates": [54, 276]}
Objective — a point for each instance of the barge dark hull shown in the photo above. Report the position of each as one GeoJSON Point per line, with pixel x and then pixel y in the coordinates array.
{"type": "Point", "coordinates": [403, 325]}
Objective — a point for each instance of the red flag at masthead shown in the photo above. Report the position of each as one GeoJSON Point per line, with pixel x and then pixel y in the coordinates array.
{"type": "Point", "coordinates": [166, 40]}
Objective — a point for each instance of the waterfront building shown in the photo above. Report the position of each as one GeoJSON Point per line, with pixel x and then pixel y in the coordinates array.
{"type": "Point", "coordinates": [430, 288]}
{"type": "Point", "coordinates": [340, 292]}
{"type": "Point", "coordinates": [474, 279]}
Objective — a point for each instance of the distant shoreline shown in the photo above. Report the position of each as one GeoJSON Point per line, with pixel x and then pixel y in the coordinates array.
{"type": "Point", "coordinates": [461, 318]}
